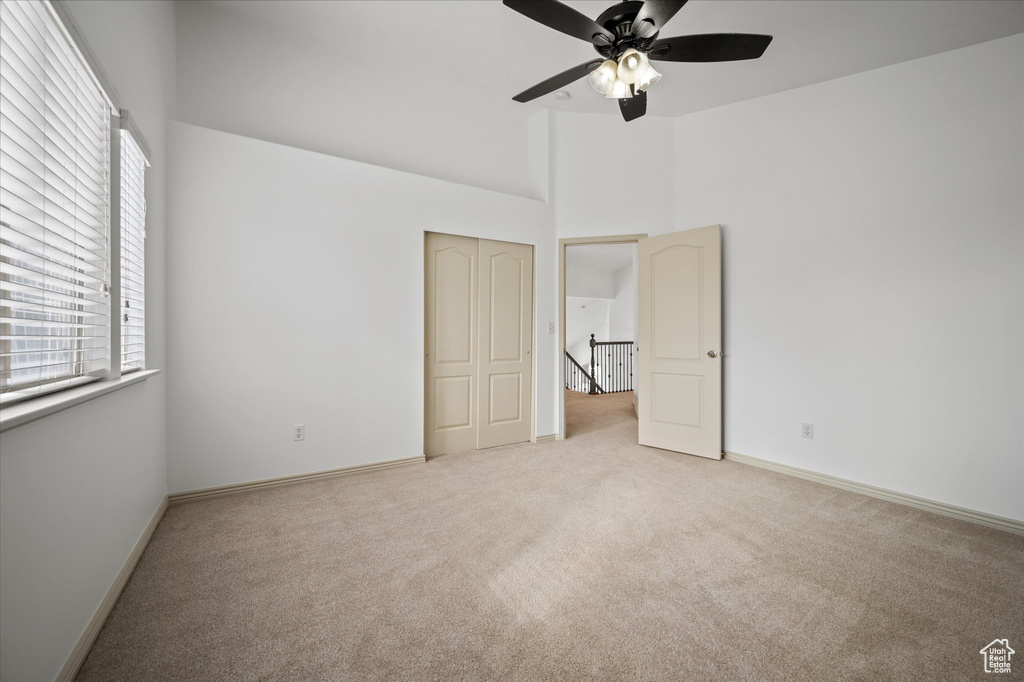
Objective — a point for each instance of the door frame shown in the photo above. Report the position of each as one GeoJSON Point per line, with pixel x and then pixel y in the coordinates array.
{"type": "Point", "coordinates": [562, 243]}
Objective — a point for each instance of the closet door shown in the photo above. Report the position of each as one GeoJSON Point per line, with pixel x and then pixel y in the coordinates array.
{"type": "Point", "coordinates": [506, 333]}
{"type": "Point", "coordinates": [450, 403]}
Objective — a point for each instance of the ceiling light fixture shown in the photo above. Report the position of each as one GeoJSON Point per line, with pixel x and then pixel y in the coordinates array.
{"type": "Point", "coordinates": [620, 90]}
{"type": "Point", "coordinates": [649, 78]}
{"type": "Point", "coordinates": [602, 78]}
{"type": "Point", "coordinates": [632, 65]}
{"type": "Point", "coordinates": [621, 79]}
{"type": "Point", "coordinates": [627, 36]}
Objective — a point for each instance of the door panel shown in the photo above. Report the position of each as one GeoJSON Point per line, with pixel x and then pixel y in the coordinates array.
{"type": "Point", "coordinates": [506, 398]}
{"type": "Point", "coordinates": [450, 349]}
{"type": "Point", "coordinates": [454, 277]}
{"type": "Point", "coordinates": [506, 308]}
{"type": "Point", "coordinates": [675, 274]}
{"type": "Point", "coordinates": [506, 331]}
{"type": "Point", "coordinates": [677, 399]}
{"type": "Point", "coordinates": [453, 402]}
{"type": "Point", "coordinates": [679, 394]}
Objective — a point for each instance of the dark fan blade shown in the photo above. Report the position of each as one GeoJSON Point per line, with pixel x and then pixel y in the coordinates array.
{"type": "Point", "coordinates": [562, 18]}
{"type": "Point", "coordinates": [555, 82]}
{"type": "Point", "coordinates": [710, 47]}
{"type": "Point", "coordinates": [654, 15]}
{"type": "Point", "coordinates": [633, 107]}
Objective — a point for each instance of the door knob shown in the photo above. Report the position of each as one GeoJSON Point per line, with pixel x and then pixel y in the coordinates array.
{"type": "Point", "coordinates": [712, 354]}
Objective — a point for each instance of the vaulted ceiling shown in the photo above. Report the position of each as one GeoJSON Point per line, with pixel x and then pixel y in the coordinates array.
{"type": "Point", "coordinates": [484, 50]}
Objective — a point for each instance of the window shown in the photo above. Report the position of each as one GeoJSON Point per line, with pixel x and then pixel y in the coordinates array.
{"type": "Point", "coordinates": [133, 262]}
{"type": "Point", "coordinates": [54, 208]}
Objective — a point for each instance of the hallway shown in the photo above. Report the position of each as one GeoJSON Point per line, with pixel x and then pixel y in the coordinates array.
{"type": "Point", "coordinates": [609, 415]}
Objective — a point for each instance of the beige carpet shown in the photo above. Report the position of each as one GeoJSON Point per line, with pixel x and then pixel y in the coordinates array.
{"type": "Point", "coordinates": [590, 558]}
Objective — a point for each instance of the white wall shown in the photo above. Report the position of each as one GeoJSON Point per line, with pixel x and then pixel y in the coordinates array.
{"type": "Point", "coordinates": [241, 75]}
{"type": "Point", "coordinates": [873, 234]}
{"type": "Point", "coordinates": [587, 281]}
{"type": "Point", "coordinates": [583, 317]}
{"type": "Point", "coordinates": [78, 487]}
{"type": "Point", "coordinates": [872, 227]}
{"type": "Point", "coordinates": [610, 177]}
{"type": "Point", "coordinates": [609, 297]}
{"type": "Point", "coordinates": [298, 281]}
{"type": "Point", "coordinates": [622, 306]}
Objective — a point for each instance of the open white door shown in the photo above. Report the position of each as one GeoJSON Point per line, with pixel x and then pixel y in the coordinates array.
{"type": "Point", "coordinates": [680, 305]}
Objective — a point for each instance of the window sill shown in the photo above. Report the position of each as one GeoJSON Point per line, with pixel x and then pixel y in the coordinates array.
{"type": "Point", "coordinates": [30, 410]}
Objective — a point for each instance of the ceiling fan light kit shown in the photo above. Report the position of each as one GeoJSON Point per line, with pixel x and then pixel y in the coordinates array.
{"type": "Point", "coordinates": [620, 90]}
{"type": "Point", "coordinates": [603, 77]}
{"type": "Point", "coordinates": [618, 80]}
{"type": "Point", "coordinates": [648, 80]}
{"type": "Point", "coordinates": [626, 37]}
{"type": "Point", "coordinates": [632, 65]}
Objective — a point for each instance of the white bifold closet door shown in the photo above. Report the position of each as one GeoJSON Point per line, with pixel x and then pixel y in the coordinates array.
{"type": "Point", "coordinates": [506, 332]}
{"type": "Point", "coordinates": [451, 344]}
{"type": "Point", "coordinates": [479, 331]}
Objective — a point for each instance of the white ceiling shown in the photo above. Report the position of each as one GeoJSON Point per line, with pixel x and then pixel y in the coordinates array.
{"type": "Point", "coordinates": [599, 257]}
{"type": "Point", "coordinates": [486, 51]}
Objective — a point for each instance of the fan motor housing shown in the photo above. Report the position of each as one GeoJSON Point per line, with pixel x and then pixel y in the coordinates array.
{"type": "Point", "coordinates": [618, 19]}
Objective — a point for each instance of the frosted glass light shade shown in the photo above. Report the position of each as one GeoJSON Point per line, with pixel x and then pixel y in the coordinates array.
{"type": "Point", "coordinates": [649, 78]}
{"type": "Point", "coordinates": [602, 78]}
{"type": "Point", "coordinates": [632, 65]}
{"type": "Point", "coordinates": [621, 90]}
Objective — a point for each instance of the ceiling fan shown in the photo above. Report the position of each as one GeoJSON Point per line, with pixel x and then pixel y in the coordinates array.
{"type": "Point", "coordinates": [626, 37]}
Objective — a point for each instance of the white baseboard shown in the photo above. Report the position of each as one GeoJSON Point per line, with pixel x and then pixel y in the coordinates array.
{"type": "Point", "coordinates": [92, 630]}
{"type": "Point", "coordinates": [545, 438]}
{"type": "Point", "coordinates": [961, 513]}
{"type": "Point", "coordinates": [220, 491]}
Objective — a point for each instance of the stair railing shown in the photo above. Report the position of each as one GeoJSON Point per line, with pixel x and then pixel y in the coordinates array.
{"type": "Point", "coordinates": [577, 378]}
{"type": "Point", "coordinates": [611, 368]}
{"type": "Point", "coordinates": [615, 358]}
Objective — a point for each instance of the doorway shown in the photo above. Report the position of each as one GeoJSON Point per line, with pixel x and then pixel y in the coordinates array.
{"type": "Point", "coordinates": [598, 313]}
{"type": "Point", "coordinates": [677, 354]}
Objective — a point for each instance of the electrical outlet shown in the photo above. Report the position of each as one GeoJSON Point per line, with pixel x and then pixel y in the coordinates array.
{"type": "Point", "coordinates": [299, 432]}
{"type": "Point", "coordinates": [551, 327]}
{"type": "Point", "coordinates": [808, 430]}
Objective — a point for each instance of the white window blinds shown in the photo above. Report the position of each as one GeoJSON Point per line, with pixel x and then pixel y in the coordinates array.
{"type": "Point", "coordinates": [133, 251]}
{"type": "Point", "coordinates": [54, 208]}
